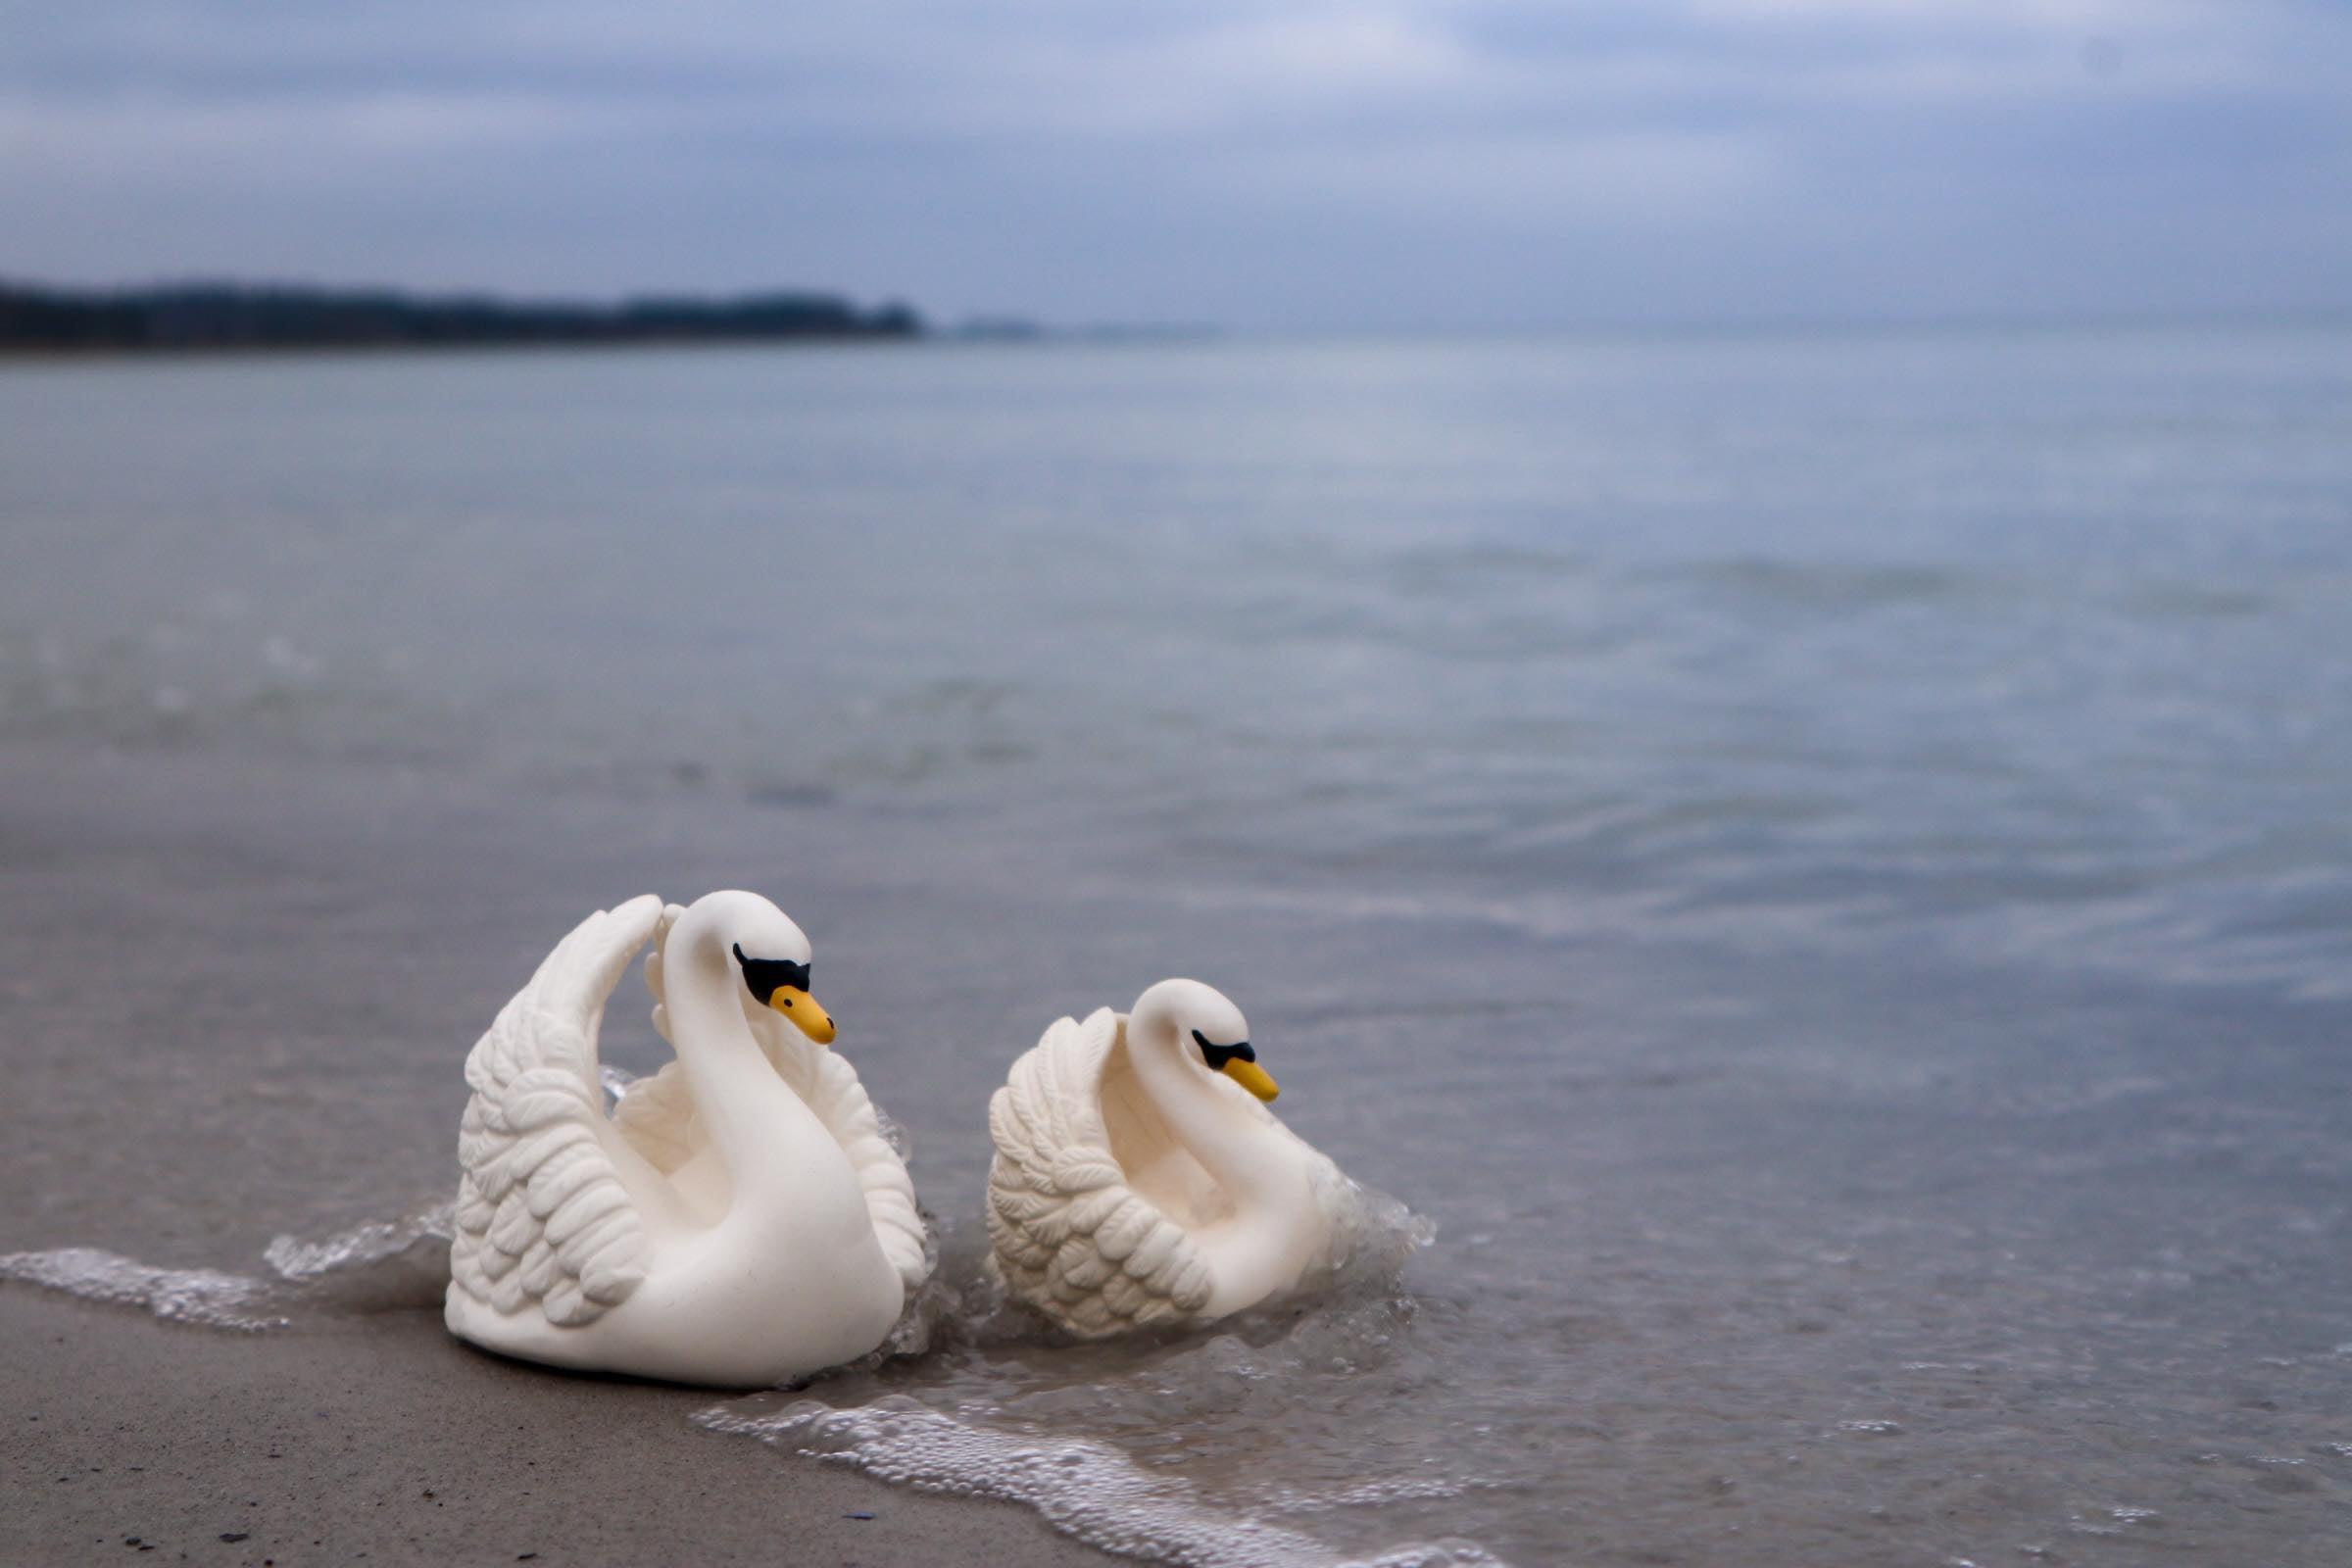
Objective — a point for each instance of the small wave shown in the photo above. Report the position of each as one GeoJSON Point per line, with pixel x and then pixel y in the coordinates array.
{"type": "Point", "coordinates": [1086, 1490]}
{"type": "Point", "coordinates": [2187, 601]}
{"type": "Point", "coordinates": [385, 1265]}
{"type": "Point", "coordinates": [200, 1295]}
{"type": "Point", "coordinates": [1834, 585]}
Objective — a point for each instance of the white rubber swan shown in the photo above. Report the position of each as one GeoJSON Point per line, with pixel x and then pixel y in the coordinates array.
{"type": "Point", "coordinates": [1138, 1176]}
{"type": "Point", "coordinates": [741, 1220]}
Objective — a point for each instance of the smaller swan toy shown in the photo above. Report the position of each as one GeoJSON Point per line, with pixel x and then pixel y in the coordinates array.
{"type": "Point", "coordinates": [740, 1220]}
{"type": "Point", "coordinates": [1139, 1177]}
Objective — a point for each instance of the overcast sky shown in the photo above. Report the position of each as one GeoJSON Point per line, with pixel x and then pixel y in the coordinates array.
{"type": "Point", "coordinates": [1487, 163]}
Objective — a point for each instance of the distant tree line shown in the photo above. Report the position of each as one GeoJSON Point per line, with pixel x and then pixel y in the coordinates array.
{"type": "Point", "coordinates": [208, 315]}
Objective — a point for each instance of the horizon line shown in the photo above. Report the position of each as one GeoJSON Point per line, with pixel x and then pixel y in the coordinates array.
{"type": "Point", "coordinates": [1016, 326]}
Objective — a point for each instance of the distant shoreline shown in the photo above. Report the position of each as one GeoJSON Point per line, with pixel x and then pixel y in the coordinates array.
{"type": "Point", "coordinates": [206, 317]}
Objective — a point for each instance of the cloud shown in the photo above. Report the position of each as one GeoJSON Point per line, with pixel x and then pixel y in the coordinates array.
{"type": "Point", "coordinates": [1298, 162]}
{"type": "Point", "coordinates": [1529, 181]}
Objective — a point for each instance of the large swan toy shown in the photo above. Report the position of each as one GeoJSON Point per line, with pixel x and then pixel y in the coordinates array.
{"type": "Point", "coordinates": [740, 1220]}
{"type": "Point", "coordinates": [1139, 1177]}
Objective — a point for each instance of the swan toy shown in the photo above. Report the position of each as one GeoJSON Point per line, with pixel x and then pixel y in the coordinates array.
{"type": "Point", "coordinates": [740, 1219]}
{"type": "Point", "coordinates": [1140, 1179]}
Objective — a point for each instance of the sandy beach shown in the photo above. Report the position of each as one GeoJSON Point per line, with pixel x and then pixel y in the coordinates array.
{"type": "Point", "coordinates": [394, 1444]}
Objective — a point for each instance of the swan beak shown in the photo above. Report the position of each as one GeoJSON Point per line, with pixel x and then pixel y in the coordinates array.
{"type": "Point", "coordinates": [1250, 1076]}
{"type": "Point", "coordinates": [803, 1010]}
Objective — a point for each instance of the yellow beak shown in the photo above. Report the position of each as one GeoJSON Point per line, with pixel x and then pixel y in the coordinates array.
{"type": "Point", "coordinates": [1250, 1076]}
{"type": "Point", "coordinates": [803, 1010]}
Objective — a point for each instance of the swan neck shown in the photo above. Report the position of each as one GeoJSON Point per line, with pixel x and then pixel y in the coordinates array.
{"type": "Point", "coordinates": [1268, 1241]}
{"type": "Point", "coordinates": [1231, 1143]}
{"type": "Point", "coordinates": [754, 1119]}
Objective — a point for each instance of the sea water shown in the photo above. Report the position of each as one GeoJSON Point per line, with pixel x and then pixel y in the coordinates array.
{"type": "Point", "coordinates": [1813, 867]}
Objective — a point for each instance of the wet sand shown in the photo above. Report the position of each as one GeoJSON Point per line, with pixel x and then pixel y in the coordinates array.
{"type": "Point", "coordinates": [388, 1442]}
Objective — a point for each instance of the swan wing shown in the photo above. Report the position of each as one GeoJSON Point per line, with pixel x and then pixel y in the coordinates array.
{"type": "Point", "coordinates": [831, 1086]}
{"type": "Point", "coordinates": [657, 1115]}
{"type": "Point", "coordinates": [1072, 1237]}
{"type": "Point", "coordinates": [543, 1214]}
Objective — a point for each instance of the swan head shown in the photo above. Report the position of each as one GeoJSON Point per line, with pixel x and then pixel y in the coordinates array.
{"type": "Point", "coordinates": [772, 955]}
{"type": "Point", "coordinates": [1210, 1030]}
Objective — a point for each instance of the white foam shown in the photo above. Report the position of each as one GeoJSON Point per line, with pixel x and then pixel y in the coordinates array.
{"type": "Point", "coordinates": [200, 1295]}
{"type": "Point", "coordinates": [378, 1266]}
{"type": "Point", "coordinates": [382, 1265]}
{"type": "Point", "coordinates": [1088, 1491]}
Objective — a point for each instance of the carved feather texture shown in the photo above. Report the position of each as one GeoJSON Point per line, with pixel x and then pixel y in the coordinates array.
{"type": "Point", "coordinates": [1071, 1237]}
{"type": "Point", "coordinates": [658, 1117]}
{"type": "Point", "coordinates": [542, 1215]}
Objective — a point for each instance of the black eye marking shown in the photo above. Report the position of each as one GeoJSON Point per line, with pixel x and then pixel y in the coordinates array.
{"type": "Point", "coordinates": [767, 976]}
{"type": "Point", "coordinates": [1218, 1056]}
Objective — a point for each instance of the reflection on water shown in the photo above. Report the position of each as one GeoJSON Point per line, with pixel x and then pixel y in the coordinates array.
{"type": "Point", "coordinates": [1820, 865]}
